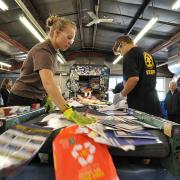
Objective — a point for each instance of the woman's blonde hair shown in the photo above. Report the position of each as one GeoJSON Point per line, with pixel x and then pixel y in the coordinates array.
{"type": "Point", "coordinates": [54, 22]}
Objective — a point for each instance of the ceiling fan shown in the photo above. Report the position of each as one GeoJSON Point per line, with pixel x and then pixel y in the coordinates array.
{"type": "Point", "coordinates": [97, 20]}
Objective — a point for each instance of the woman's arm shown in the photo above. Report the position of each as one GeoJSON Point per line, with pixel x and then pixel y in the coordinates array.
{"type": "Point", "coordinates": [51, 88]}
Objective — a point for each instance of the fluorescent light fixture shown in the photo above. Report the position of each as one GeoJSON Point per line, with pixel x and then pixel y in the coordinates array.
{"type": "Point", "coordinates": [21, 56]}
{"type": "Point", "coordinates": [3, 6]}
{"type": "Point", "coordinates": [5, 64]}
{"type": "Point", "coordinates": [60, 59]}
{"type": "Point", "coordinates": [30, 27]}
{"type": "Point", "coordinates": [117, 59]}
{"type": "Point", "coordinates": [145, 29]}
{"type": "Point", "coordinates": [21, 59]}
{"type": "Point", "coordinates": [176, 5]}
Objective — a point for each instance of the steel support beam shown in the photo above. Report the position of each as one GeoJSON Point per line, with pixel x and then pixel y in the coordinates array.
{"type": "Point", "coordinates": [142, 18]}
{"type": "Point", "coordinates": [137, 15]}
{"type": "Point", "coordinates": [134, 32]}
{"type": "Point", "coordinates": [13, 42]}
{"type": "Point", "coordinates": [175, 38]}
{"type": "Point", "coordinates": [85, 53]}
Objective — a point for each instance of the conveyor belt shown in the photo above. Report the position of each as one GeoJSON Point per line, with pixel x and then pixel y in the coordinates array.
{"type": "Point", "coordinates": [154, 150]}
{"type": "Point", "coordinates": [6, 123]}
{"type": "Point", "coordinates": [161, 150]}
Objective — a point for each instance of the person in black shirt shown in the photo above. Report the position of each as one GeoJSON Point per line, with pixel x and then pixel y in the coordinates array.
{"type": "Point", "coordinates": [139, 76]}
{"type": "Point", "coordinates": [172, 103]}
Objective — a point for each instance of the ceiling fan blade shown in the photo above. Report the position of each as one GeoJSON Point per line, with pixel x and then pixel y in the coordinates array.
{"type": "Point", "coordinates": [90, 24]}
{"type": "Point", "coordinates": [106, 20]}
{"type": "Point", "coordinates": [92, 15]}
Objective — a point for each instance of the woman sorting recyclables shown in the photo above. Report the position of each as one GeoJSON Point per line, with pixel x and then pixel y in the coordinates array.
{"type": "Point", "coordinates": [36, 78]}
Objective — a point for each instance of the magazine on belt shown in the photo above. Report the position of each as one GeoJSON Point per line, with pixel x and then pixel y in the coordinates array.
{"type": "Point", "coordinates": [54, 121]}
{"type": "Point", "coordinates": [98, 134]}
{"type": "Point", "coordinates": [143, 134]}
{"type": "Point", "coordinates": [19, 145]}
{"type": "Point", "coordinates": [119, 141]}
{"type": "Point", "coordinates": [123, 125]}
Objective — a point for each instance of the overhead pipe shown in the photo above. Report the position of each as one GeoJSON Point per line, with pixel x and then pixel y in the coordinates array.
{"type": "Point", "coordinates": [80, 22]}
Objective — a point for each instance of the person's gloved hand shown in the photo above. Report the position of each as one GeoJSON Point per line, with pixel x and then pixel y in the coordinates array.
{"type": "Point", "coordinates": [68, 113]}
{"type": "Point", "coordinates": [50, 107]}
{"type": "Point", "coordinates": [117, 98]}
{"type": "Point", "coordinates": [121, 104]}
{"type": "Point", "coordinates": [77, 117]}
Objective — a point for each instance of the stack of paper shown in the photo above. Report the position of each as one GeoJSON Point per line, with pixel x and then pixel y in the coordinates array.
{"type": "Point", "coordinates": [98, 134]}
{"type": "Point", "coordinates": [119, 141]}
{"type": "Point", "coordinates": [55, 121]}
{"type": "Point", "coordinates": [123, 125]}
{"type": "Point", "coordinates": [143, 134]}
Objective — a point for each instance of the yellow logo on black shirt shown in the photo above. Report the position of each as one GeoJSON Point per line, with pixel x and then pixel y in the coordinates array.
{"type": "Point", "coordinates": [148, 59]}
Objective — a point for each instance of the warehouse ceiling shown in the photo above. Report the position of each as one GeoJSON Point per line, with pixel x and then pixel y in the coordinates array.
{"type": "Point", "coordinates": [129, 17]}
